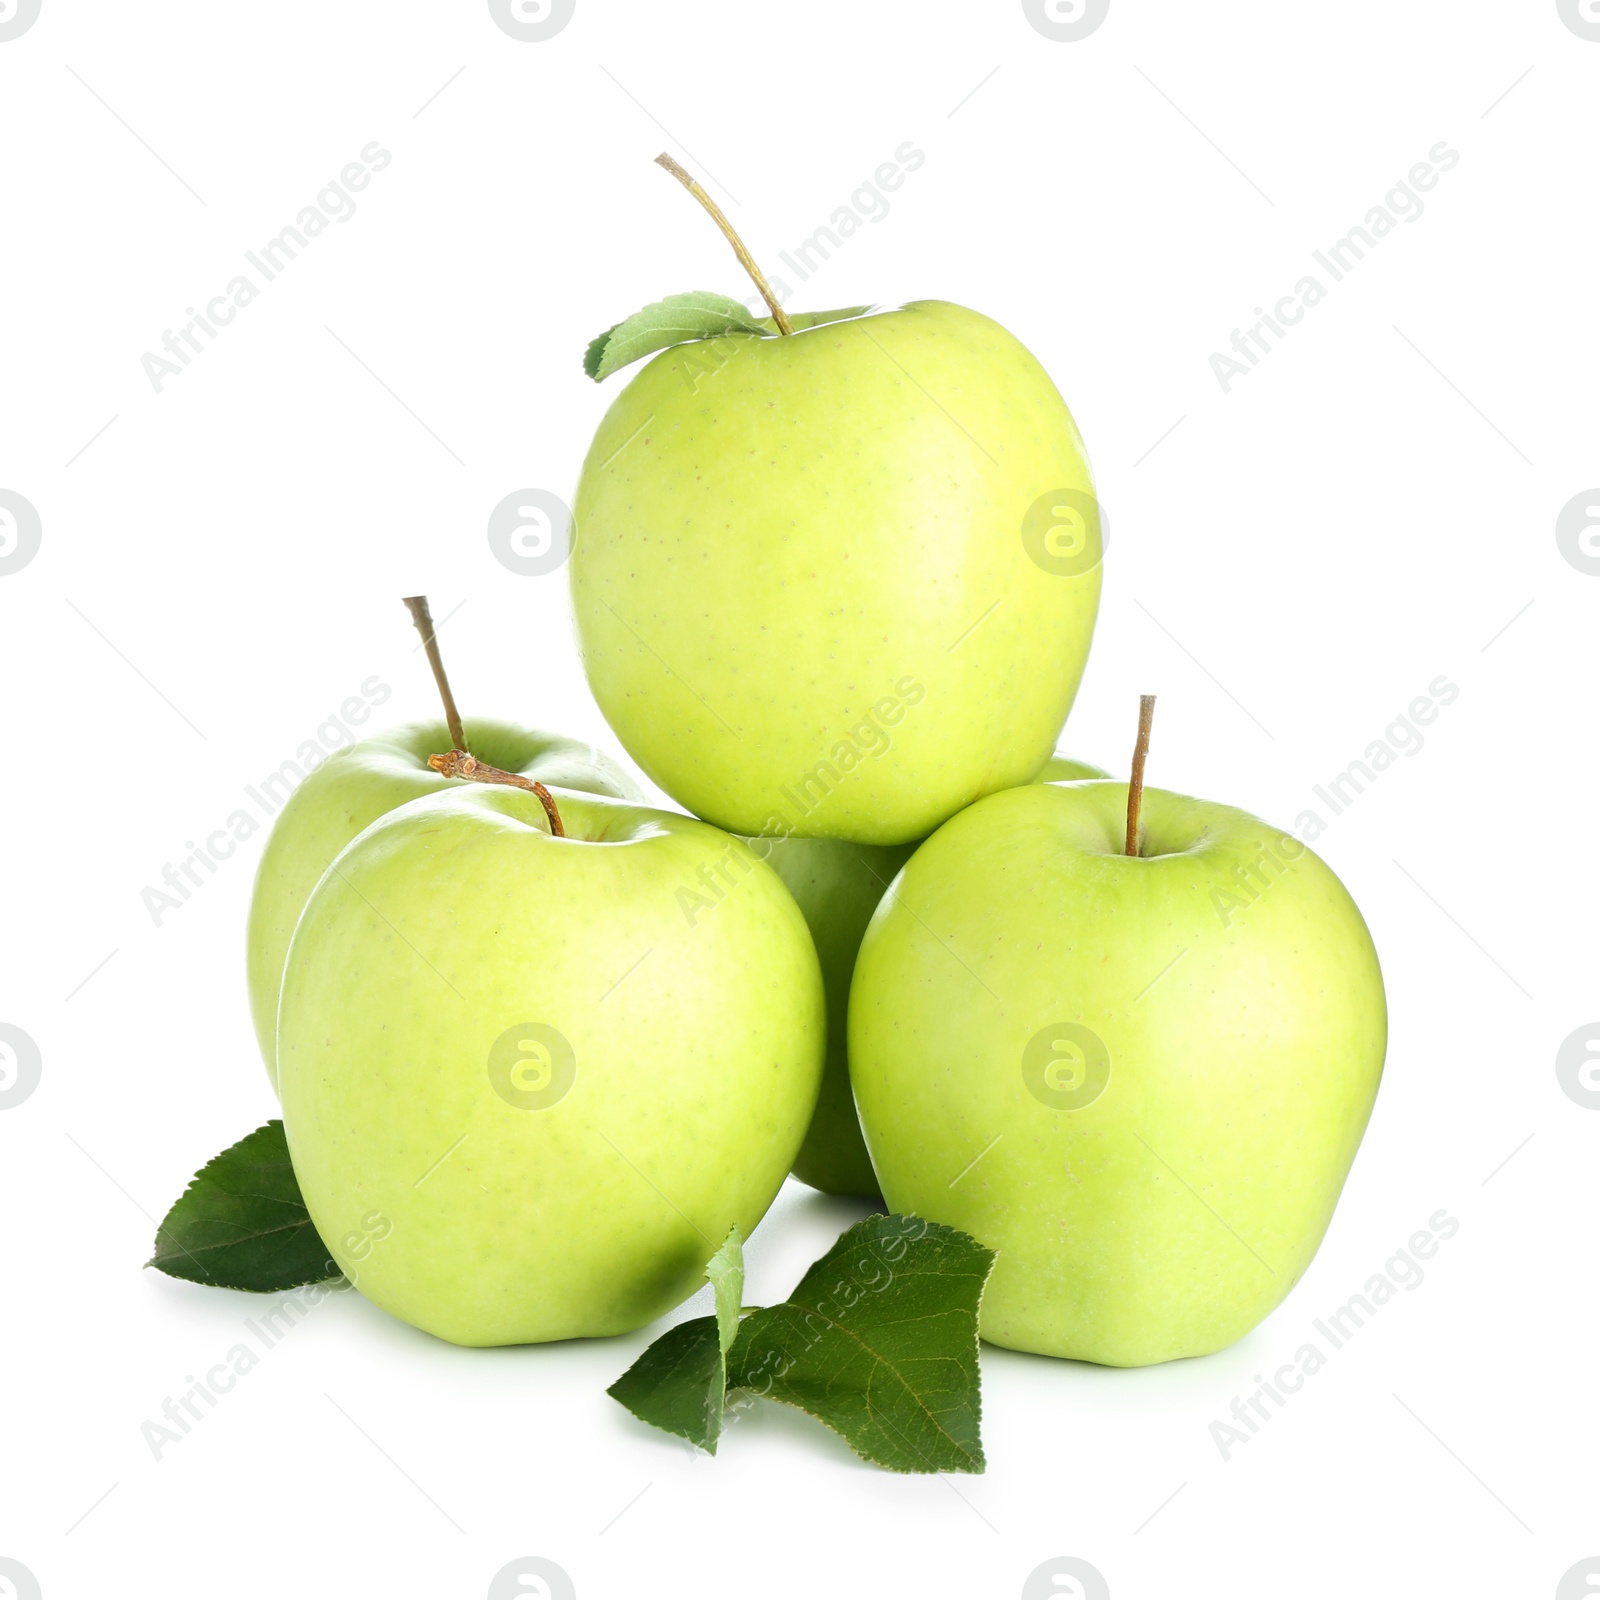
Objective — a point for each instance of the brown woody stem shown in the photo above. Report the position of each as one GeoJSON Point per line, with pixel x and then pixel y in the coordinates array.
{"type": "Point", "coordinates": [746, 260]}
{"type": "Point", "coordinates": [458, 764]}
{"type": "Point", "coordinates": [417, 605]}
{"type": "Point", "coordinates": [1141, 749]}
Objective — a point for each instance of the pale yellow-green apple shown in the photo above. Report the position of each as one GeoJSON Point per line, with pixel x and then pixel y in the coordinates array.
{"type": "Point", "coordinates": [839, 582]}
{"type": "Point", "coordinates": [512, 1061]}
{"type": "Point", "coordinates": [356, 786]}
{"type": "Point", "coordinates": [838, 885]}
{"type": "Point", "coordinates": [1064, 769]}
{"type": "Point", "coordinates": [1141, 1079]}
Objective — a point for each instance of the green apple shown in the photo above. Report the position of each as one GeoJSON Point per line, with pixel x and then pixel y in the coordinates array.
{"type": "Point", "coordinates": [838, 885]}
{"type": "Point", "coordinates": [841, 582]}
{"type": "Point", "coordinates": [1063, 769]}
{"type": "Point", "coordinates": [356, 786]}
{"type": "Point", "coordinates": [525, 1095]}
{"type": "Point", "coordinates": [1142, 1080]}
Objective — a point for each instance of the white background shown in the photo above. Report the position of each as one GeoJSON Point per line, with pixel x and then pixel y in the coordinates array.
{"type": "Point", "coordinates": [1291, 563]}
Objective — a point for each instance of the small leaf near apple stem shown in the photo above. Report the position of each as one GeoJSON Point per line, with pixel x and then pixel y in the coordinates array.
{"type": "Point", "coordinates": [1147, 711]}
{"type": "Point", "coordinates": [746, 260]}
{"type": "Point", "coordinates": [417, 605]}
{"type": "Point", "coordinates": [458, 764]}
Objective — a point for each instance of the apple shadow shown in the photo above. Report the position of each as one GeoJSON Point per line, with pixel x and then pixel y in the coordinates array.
{"type": "Point", "coordinates": [839, 1211]}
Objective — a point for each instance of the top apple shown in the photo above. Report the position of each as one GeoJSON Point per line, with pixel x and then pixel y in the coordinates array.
{"type": "Point", "coordinates": [838, 582]}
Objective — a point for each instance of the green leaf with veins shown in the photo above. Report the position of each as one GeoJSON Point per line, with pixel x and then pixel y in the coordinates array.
{"type": "Point", "coordinates": [241, 1223]}
{"type": "Point", "coordinates": [880, 1341]}
{"type": "Point", "coordinates": [678, 319]}
{"type": "Point", "coordinates": [725, 1274]}
{"type": "Point", "coordinates": [679, 1383]}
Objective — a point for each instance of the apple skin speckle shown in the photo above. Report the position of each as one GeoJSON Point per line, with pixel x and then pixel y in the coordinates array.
{"type": "Point", "coordinates": [820, 471]}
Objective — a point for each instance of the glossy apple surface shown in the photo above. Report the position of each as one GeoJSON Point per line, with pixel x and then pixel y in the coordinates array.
{"type": "Point", "coordinates": [1141, 1080]}
{"type": "Point", "coordinates": [837, 886]}
{"type": "Point", "coordinates": [555, 1090]}
{"type": "Point", "coordinates": [356, 786]}
{"type": "Point", "coordinates": [1064, 769]}
{"type": "Point", "coordinates": [840, 583]}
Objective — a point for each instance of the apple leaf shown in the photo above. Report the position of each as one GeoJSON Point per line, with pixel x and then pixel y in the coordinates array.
{"type": "Point", "coordinates": [678, 319]}
{"type": "Point", "coordinates": [679, 1383]}
{"type": "Point", "coordinates": [880, 1341]}
{"type": "Point", "coordinates": [241, 1223]}
{"type": "Point", "coordinates": [725, 1274]}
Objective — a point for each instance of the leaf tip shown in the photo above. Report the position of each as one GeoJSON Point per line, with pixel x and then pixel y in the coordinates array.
{"type": "Point", "coordinates": [594, 356]}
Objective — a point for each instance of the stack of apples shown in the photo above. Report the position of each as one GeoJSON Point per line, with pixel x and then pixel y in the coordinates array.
{"type": "Point", "coordinates": [835, 578]}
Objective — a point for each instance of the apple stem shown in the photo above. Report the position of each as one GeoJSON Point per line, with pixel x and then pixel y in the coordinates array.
{"type": "Point", "coordinates": [1141, 749]}
{"type": "Point", "coordinates": [746, 260]}
{"type": "Point", "coordinates": [417, 605]}
{"type": "Point", "coordinates": [458, 764]}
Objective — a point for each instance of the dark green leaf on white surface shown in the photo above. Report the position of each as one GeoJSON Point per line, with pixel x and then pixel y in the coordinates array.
{"type": "Point", "coordinates": [679, 1383]}
{"type": "Point", "coordinates": [678, 319]}
{"type": "Point", "coordinates": [241, 1223]}
{"type": "Point", "coordinates": [880, 1341]}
